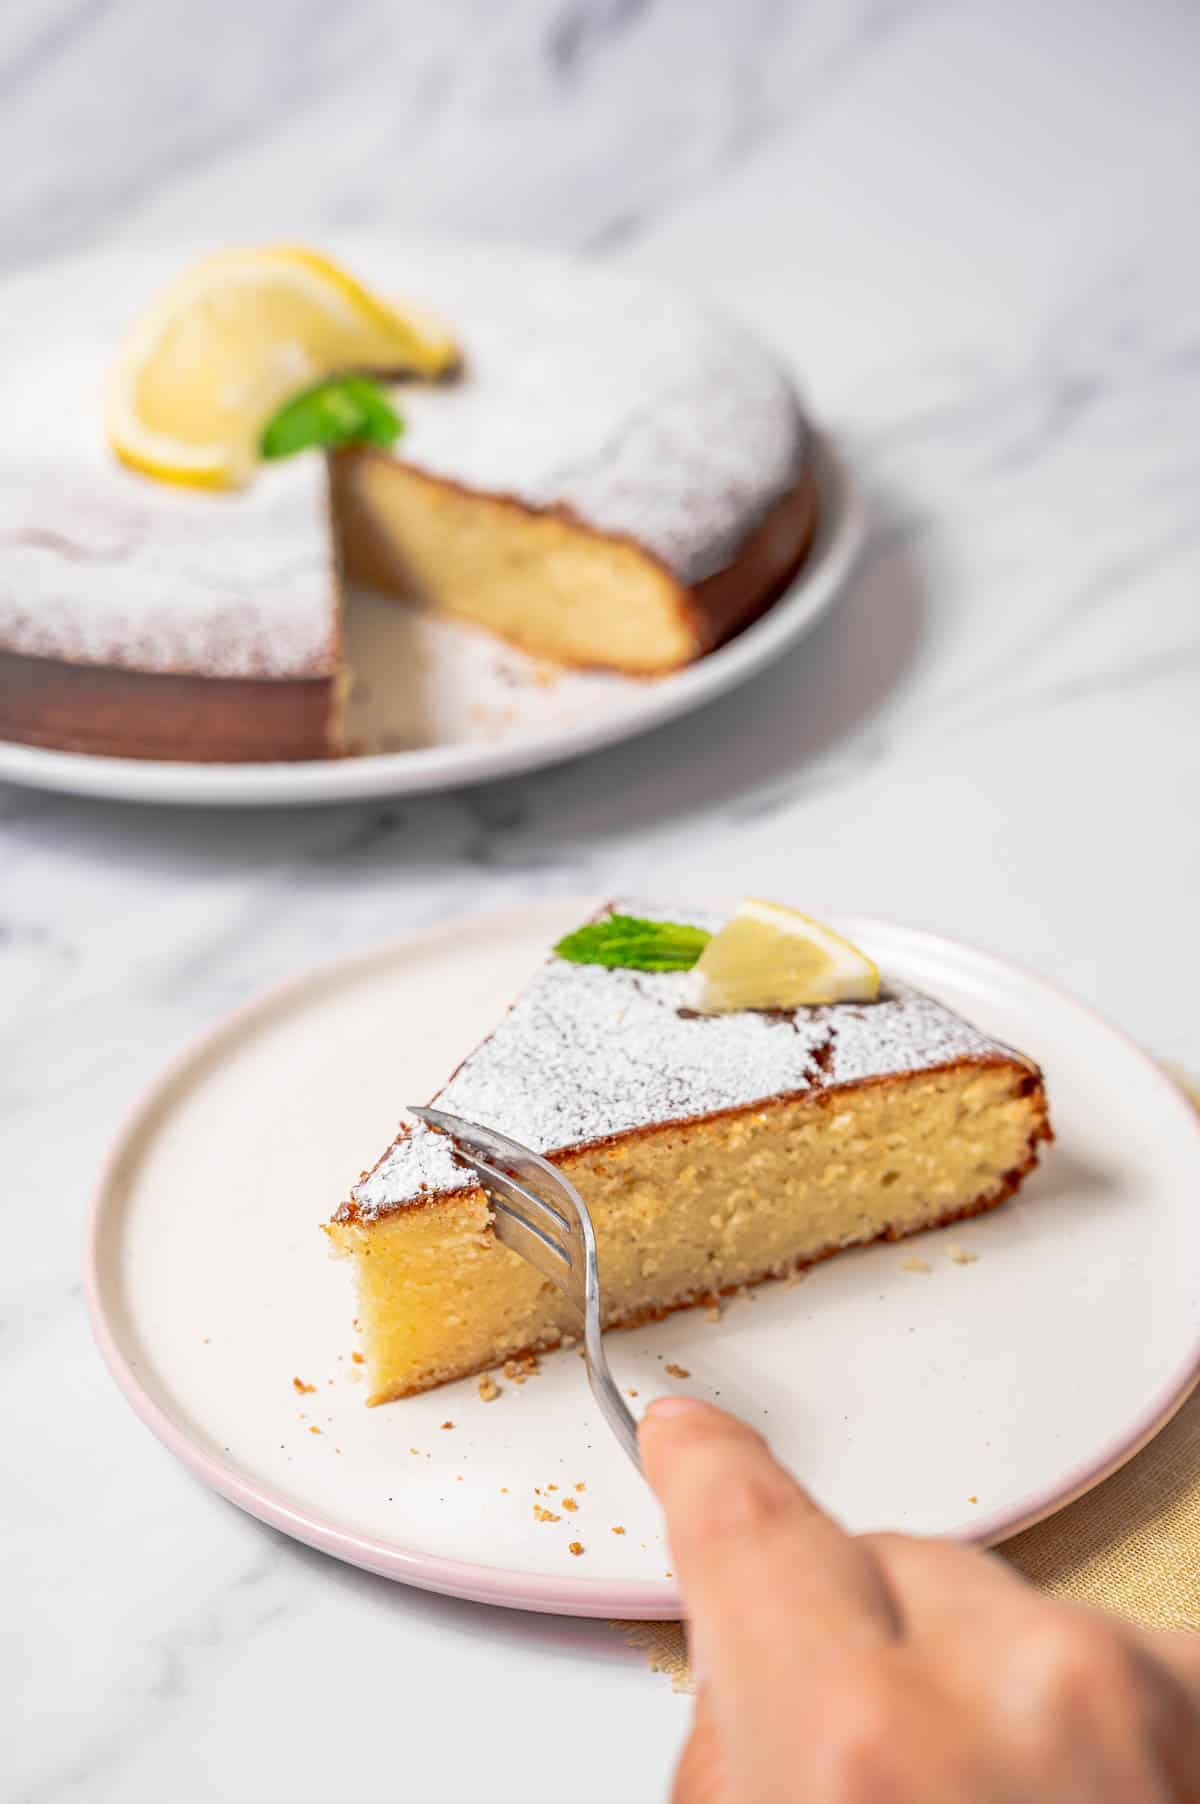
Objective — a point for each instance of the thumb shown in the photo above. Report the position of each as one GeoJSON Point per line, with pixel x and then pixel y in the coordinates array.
{"type": "Point", "coordinates": [768, 1578]}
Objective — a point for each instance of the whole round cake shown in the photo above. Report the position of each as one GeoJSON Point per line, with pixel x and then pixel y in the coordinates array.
{"type": "Point", "coordinates": [615, 477]}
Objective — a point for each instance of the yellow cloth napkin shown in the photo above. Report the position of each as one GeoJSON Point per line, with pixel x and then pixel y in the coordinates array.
{"type": "Point", "coordinates": [1131, 1546]}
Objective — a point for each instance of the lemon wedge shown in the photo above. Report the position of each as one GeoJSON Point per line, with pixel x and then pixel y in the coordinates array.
{"type": "Point", "coordinates": [768, 956]}
{"type": "Point", "coordinates": [237, 334]}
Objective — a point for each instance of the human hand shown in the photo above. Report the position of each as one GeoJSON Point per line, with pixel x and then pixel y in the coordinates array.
{"type": "Point", "coordinates": [885, 1669]}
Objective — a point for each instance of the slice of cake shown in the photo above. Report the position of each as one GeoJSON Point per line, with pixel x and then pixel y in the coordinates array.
{"type": "Point", "coordinates": [712, 1150]}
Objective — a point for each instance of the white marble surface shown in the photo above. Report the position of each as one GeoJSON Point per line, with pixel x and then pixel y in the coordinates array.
{"type": "Point", "coordinates": [972, 227]}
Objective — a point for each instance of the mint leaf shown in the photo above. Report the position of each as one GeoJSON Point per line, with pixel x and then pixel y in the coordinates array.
{"type": "Point", "coordinates": [348, 410]}
{"type": "Point", "coordinates": [626, 942]}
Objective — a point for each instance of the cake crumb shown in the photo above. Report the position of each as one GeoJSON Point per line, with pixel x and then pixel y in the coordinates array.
{"type": "Point", "coordinates": [313, 1429]}
{"type": "Point", "coordinates": [575, 1547]}
{"type": "Point", "coordinates": [617, 1529]}
{"type": "Point", "coordinates": [972, 1499]}
{"type": "Point", "coordinates": [414, 1450]}
{"type": "Point", "coordinates": [579, 1485]}
{"type": "Point", "coordinates": [713, 1312]}
{"type": "Point", "coordinates": [357, 1358]}
{"type": "Point", "coordinates": [541, 1514]}
{"type": "Point", "coordinates": [504, 1490]}
{"type": "Point", "coordinates": [961, 1256]}
{"type": "Point", "coordinates": [552, 1487]}
{"type": "Point", "coordinates": [489, 1390]}
{"type": "Point", "coordinates": [631, 1393]}
{"type": "Point", "coordinates": [677, 1371]}
{"type": "Point", "coordinates": [917, 1265]}
{"type": "Point", "coordinates": [302, 1389]}
{"type": "Point", "coordinates": [569, 1503]}
{"type": "Point", "coordinates": [447, 1425]}
{"type": "Point", "coordinates": [522, 1367]}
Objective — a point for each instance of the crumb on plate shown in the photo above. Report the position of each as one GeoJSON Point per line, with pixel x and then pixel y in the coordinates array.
{"type": "Point", "coordinates": [677, 1371]}
{"type": "Point", "coordinates": [301, 1389]}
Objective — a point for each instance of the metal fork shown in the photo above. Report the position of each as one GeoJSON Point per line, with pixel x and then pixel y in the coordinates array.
{"type": "Point", "coordinates": [540, 1215]}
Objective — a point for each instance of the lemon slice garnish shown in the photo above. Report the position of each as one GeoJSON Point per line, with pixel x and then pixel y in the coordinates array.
{"type": "Point", "coordinates": [768, 956]}
{"type": "Point", "coordinates": [214, 356]}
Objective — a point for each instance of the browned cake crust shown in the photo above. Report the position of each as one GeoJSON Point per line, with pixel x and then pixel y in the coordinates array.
{"type": "Point", "coordinates": [771, 556]}
{"type": "Point", "coordinates": [137, 714]}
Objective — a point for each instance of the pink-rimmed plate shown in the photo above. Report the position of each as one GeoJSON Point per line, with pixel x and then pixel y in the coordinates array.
{"type": "Point", "coordinates": [969, 1399]}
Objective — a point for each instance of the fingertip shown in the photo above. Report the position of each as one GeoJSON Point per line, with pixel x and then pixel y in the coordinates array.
{"type": "Point", "coordinates": [673, 1427]}
{"type": "Point", "coordinates": [667, 1409]}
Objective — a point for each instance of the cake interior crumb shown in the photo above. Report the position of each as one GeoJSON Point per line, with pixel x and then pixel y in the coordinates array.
{"type": "Point", "coordinates": [302, 1389]}
{"type": "Point", "coordinates": [489, 1390]}
{"type": "Point", "coordinates": [575, 1547]}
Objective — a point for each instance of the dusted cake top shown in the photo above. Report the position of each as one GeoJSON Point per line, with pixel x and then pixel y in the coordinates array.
{"type": "Point", "coordinates": [643, 412]}
{"type": "Point", "coordinates": [101, 566]}
{"type": "Point", "coordinates": [586, 1053]}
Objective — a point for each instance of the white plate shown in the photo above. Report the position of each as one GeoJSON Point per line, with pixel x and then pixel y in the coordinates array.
{"type": "Point", "coordinates": [516, 720]}
{"type": "Point", "coordinates": [969, 1400]}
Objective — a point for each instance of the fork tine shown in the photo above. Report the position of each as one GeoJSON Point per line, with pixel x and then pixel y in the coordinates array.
{"type": "Point", "coordinates": [527, 1207]}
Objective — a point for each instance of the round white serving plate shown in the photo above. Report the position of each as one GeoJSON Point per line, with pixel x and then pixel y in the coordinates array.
{"type": "Point", "coordinates": [409, 712]}
{"type": "Point", "coordinates": [968, 1399]}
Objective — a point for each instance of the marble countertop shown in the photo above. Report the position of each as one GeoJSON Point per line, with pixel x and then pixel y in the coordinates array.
{"type": "Point", "coordinates": [971, 229]}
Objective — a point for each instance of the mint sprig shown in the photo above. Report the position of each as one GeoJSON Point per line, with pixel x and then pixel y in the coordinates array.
{"type": "Point", "coordinates": [347, 410]}
{"type": "Point", "coordinates": [631, 944]}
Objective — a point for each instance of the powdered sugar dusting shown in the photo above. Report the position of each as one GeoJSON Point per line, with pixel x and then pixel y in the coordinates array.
{"type": "Point", "coordinates": [586, 1053]}
{"type": "Point", "coordinates": [645, 413]}
{"type": "Point", "coordinates": [102, 566]}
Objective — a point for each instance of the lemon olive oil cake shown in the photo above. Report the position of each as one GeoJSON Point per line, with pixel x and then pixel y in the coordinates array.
{"type": "Point", "coordinates": [602, 472]}
{"type": "Point", "coordinates": [713, 1151]}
